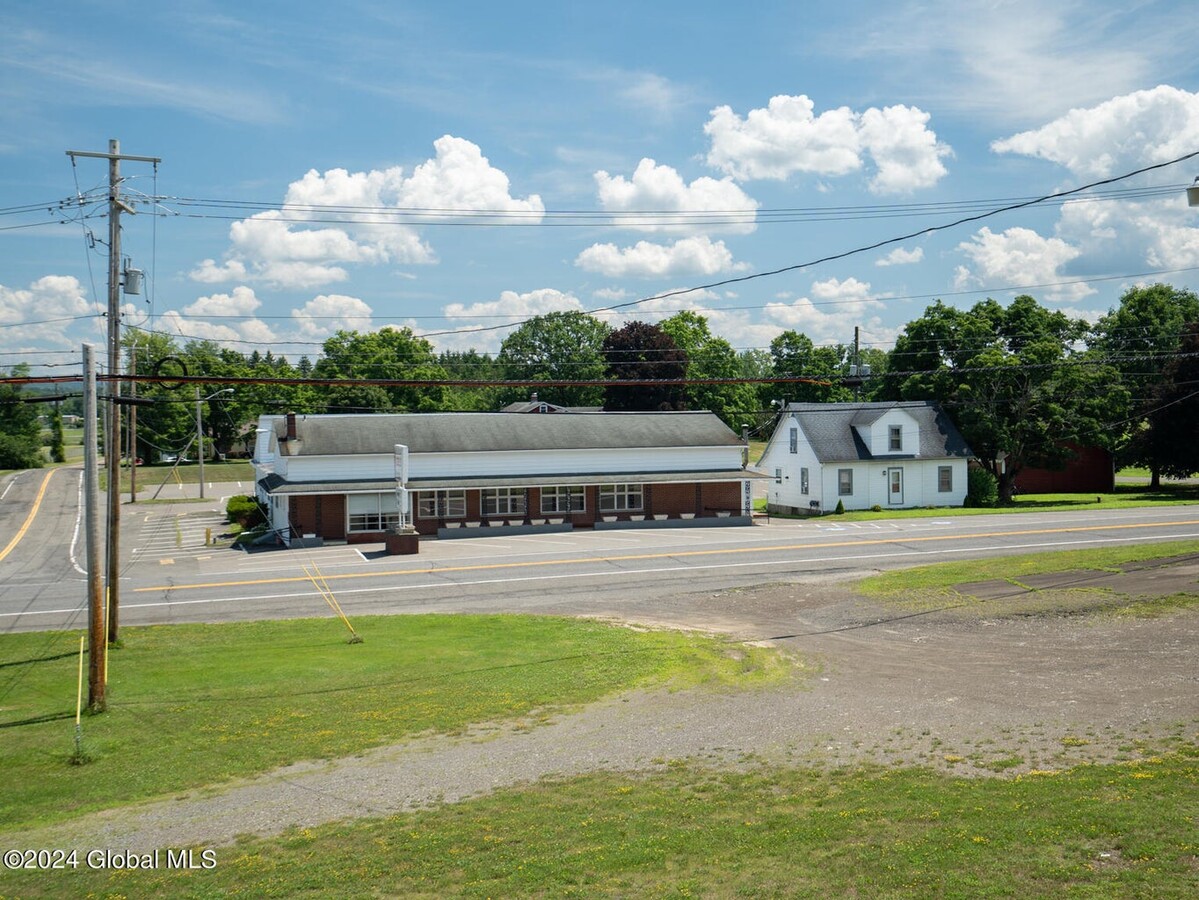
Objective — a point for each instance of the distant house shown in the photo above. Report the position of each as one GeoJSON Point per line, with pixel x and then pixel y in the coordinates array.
{"type": "Point", "coordinates": [892, 455]}
{"type": "Point", "coordinates": [334, 476]}
{"type": "Point", "coordinates": [534, 405]}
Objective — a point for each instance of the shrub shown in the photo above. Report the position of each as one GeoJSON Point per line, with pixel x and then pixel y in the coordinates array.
{"type": "Point", "coordinates": [876, 508]}
{"type": "Point", "coordinates": [245, 511]}
{"type": "Point", "coordinates": [840, 508]}
{"type": "Point", "coordinates": [982, 488]}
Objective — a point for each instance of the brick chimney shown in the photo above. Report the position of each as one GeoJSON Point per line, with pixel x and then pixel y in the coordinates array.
{"type": "Point", "coordinates": [291, 426]}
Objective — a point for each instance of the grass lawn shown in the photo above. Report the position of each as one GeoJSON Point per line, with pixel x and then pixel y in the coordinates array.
{"type": "Point", "coordinates": [192, 705]}
{"type": "Point", "coordinates": [150, 477]}
{"type": "Point", "coordinates": [1120, 830]}
{"type": "Point", "coordinates": [926, 586]}
{"type": "Point", "coordinates": [1124, 497]}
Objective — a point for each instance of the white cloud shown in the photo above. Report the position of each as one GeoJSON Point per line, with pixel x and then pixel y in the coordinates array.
{"type": "Point", "coordinates": [901, 257]}
{"type": "Point", "coordinates": [656, 189]}
{"type": "Point", "coordinates": [1124, 133]}
{"type": "Point", "coordinates": [831, 316]}
{"type": "Point", "coordinates": [787, 137]}
{"type": "Point", "coordinates": [201, 319]}
{"type": "Point", "coordinates": [1019, 256]}
{"type": "Point", "coordinates": [326, 314]}
{"type": "Point", "coordinates": [687, 256]}
{"type": "Point", "coordinates": [23, 310]}
{"type": "Point", "coordinates": [277, 248]}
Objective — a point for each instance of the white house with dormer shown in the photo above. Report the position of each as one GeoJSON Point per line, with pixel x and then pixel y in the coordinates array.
{"type": "Point", "coordinates": [891, 455]}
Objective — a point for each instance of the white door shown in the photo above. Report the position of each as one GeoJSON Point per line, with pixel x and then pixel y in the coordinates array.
{"type": "Point", "coordinates": [895, 485]}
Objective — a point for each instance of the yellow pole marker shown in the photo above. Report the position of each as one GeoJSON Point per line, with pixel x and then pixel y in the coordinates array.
{"type": "Point", "coordinates": [326, 592]}
{"type": "Point", "coordinates": [37, 502]}
{"type": "Point", "coordinates": [79, 708]}
{"type": "Point", "coordinates": [79, 694]}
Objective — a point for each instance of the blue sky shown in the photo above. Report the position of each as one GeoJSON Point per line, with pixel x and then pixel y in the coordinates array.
{"type": "Point", "coordinates": [458, 166]}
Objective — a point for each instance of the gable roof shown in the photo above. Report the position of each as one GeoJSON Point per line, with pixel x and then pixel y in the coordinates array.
{"type": "Point", "coordinates": [829, 428]}
{"type": "Point", "coordinates": [333, 435]}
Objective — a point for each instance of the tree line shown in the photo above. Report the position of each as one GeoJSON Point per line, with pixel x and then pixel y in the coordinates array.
{"type": "Point", "coordinates": [1021, 381]}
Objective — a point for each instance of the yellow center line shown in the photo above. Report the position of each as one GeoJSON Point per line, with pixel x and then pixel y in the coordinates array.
{"type": "Point", "coordinates": [726, 551]}
{"type": "Point", "coordinates": [37, 502]}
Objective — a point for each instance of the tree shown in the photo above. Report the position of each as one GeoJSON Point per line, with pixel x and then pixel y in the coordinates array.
{"type": "Point", "coordinates": [558, 346]}
{"type": "Point", "coordinates": [1171, 433]}
{"type": "Point", "coordinates": [20, 432]}
{"type": "Point", "coordinates": [390, 354]}
{"type": "Point", "coordinates": [1139, 338]}
{"type": "Point", "coordinates": [709, 356]}
{"type": "Point", "coordinates": [470, 365]}
{"type": "Point", "coordinates": [58, 447]}
{"type": "Point", "coordinates": [1013, 379]}
{"type": "Point", "coordinates": [643, 352]}
{"type": "Point", "coordinates": [795, 356]}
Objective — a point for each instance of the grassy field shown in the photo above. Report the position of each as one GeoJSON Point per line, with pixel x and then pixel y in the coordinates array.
{"type": "Point", "coordinates": [192, 705]}
{"type": "Point", "coordinates": [925, 587]}
{"type": "Point", "coordinates": [150, 477]}
{"type": "Point", "coordinates": [1124, 830]}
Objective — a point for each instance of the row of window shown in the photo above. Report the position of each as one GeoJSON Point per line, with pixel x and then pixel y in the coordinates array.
{"type": "Point", "coordinates": [845, 480]}
{"type": "Point", "coordinates": [378, 512]}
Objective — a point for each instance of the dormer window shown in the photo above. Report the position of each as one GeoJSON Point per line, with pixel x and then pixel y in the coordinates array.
{"type": "Point", "coordinates": [896, 437]}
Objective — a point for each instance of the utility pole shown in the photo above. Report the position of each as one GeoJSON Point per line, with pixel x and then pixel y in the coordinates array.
{"type": "Point", "coordinates": [200, 441]}
{"type": "Point", "coordinates": [97, 638]}
{"type": "Point", "coordinates": [112, 428]}
{"type": "Point", "coordinates": [133, 426]}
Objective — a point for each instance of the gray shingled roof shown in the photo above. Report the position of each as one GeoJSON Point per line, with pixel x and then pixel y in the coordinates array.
{"type": "Point", "coordinates": [332, 435]}
{"type": "Point", "coordinates": [829, 428]}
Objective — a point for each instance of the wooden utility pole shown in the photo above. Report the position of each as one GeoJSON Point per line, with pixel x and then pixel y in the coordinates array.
{"type": "Point", "coordinates": [97, 637]}
{"type": "Point", "coordinates": [112, 420]}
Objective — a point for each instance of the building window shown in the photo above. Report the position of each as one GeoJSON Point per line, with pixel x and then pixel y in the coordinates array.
{"type": "Point", "coordinates": [845, 482]}
{"type": "Point", "coordinates": [372, 512]}
{"type": "Point", "coordinates": [803, 481]}
{"type": "Point", "coordinates": [504, 502]}
{"type": "Point", "coordinates": [896, 437]}
{"type": "Point", "coordinates": [562, 499]}
{"type": "Point", "coordinates": [778, 476]}
{"type": "Point", "coordinates": [794, 440]}
{"type": "Point", "coordinates": [441, 504]}
{"type": "Point", "coordinates": [944, 479]}
{"type": "Point", "coordinates": [620, 497]}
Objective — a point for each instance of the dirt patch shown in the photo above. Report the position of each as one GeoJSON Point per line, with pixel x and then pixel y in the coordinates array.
{"type": "Point", "coordinates": [1141, 580]}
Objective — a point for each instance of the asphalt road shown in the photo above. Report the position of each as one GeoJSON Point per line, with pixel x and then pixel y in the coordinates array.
{"type": "Point", "coordinates": [170, 575]}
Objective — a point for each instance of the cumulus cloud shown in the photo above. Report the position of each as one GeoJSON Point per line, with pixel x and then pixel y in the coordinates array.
{"type": "Point", "coordinates": [1124, 133]}
{"type": "Point", "coordinates": [787, 137]}
{"type": "Point", "coordinates": [23, 310]}
{"type": "Point", "coordinates": [662, 191]}
{"type": "Point", "coordinates": [326, 314]}
{"type": "Point", "coordinates": [201, 319]}
{"type": "Point", "coordinates": [687, 256]}
{"type": "Point", "coordinates": [831, 312]}
{"type": "Point", "coordinates": [901, 257]}
{"type": "Point", "coordinates": [279, 248]}
{"type": "Point", "coordinates": [1019, 256]}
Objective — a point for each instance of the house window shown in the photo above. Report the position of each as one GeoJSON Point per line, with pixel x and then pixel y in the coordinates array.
{"type": "Point", "coordinates": [778, 476]}
{"type": "Point", "coordinates": [617, 497]}
{"type": "Point", "coordinates": [504, 502]}
{"type": "Point", "coordinates": [562, 499]}
{"type": "Point", "coordinates": [441, 504]}
{"type": "Point", "coordinates": [372, 512]}
{"type": "Point", "coordinates": [896, 437]}
{"type": "Point", "coordinates": [944, 479]}
{"type": "Point", "coordinates": [794, 440]}
{"type": "Point", "coordinates": [803, 481]}
{"type": "Point", "coordinates": [845, 482]}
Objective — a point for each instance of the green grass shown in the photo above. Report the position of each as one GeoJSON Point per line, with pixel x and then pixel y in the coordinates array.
{"type": "Point", "coordinates": [1122, 830]}
{"type": "Point", "coordinates": [927, 586]}
{"type": "Point", "coordinates": [193, 705]}
{"type": "Point", "coordinates": [150, 477]}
